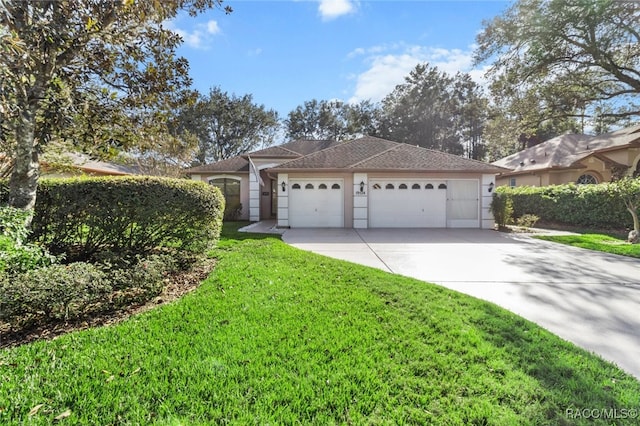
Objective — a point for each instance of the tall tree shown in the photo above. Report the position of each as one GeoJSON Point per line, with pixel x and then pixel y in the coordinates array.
{"type": "Point", "coordinates": [227, 125]}
{"type": "Point", "coordinates": [437, 111]}
{"type": "Point", "coordinates": [117, 50]}
{"type": "Point", "coordinates": [332, 120]}
{"type": "Point", "coordinates": [564, 59]}
{"type": "Point", "coordinates": [470, 109]}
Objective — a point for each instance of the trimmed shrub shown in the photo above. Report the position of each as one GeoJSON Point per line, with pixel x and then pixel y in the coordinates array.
{"type": "Point", "coordinates": [54, 292]}
{"type": "Point", "coordinates": [139, 281]}
{"type": "Point", "coordinates": [597, 206]}
{"type": "Point", "coordinates": [77, 290]}
{"type": "Point", "coordinates": [127, 215]}
{"type": "Point", "coordinates": [502, 208]}
{"type": "Point", "coordinates": [15, 255]}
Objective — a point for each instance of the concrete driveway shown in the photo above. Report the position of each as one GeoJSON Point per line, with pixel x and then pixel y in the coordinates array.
{"type": "Point", "coordinates": [591, 299]}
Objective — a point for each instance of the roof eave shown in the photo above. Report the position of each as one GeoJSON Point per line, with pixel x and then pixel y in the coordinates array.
{"type": "Point", "coordinates": [386, 170]}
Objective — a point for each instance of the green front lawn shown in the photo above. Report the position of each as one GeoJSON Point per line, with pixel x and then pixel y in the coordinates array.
{"type": "Point", "coordinates": [277, 335]}
{"type": "Point", "coordinates": [598, 242]}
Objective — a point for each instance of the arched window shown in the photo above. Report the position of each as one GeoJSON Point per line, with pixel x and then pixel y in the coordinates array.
{"type": "Point", "coordinates": [587, 179]}
{"type": "Point", "coordinates": [442, 186]}
{"type": "Point", "coordinates": [402, 186]}
{"type": "Point", "coordinates": [415, 186]}
{"type": "Point", "coordinates": [308, 186]}
{"type": "Point", "coordinates": [322, 186]}
{"type": "Point", "coordinates": [335, 186]}
{"type": "Point", "coordinates": [428, 186]}
{"type": "Point", "coordinates": [230, 188]}
{"type": "Point", "coordinates": [389, 186]}
{"type": "Point", "coordinates": [296, 186]}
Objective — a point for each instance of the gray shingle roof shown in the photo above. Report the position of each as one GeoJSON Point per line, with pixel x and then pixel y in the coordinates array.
{"type": "Point", "coordinates": [240, 164]}
{"type": "Point", "coordinates": [375, 154]}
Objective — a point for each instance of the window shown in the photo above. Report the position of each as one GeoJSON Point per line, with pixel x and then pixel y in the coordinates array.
{"type": "Point", "coordinates": [230, 188]}
{"type": "Point", "coordinates": [389, 186]}
{"type": "Point", "coordinates": [415, 186]}
{"type": "Point", "coordinates": [376, 186]}
{"type": "Point", "coordinates": [512, 182]}
{"type": "Point", "coordinates": [308, 186]}
{"type": "Point", "coordinates": [335, 186]}
{"type": "Point", "coordinates": [428, 186]}
{"type": "Point", "coordinates": [296, 186]}
{"type": "Point", "coordinates": [442, 186]}
{"type": "Point", "coordinates": [586, 179]}
{"type": "Point", "coordinates": [402, 186]}
{"type": "Point", "coordinates": [322, 186]}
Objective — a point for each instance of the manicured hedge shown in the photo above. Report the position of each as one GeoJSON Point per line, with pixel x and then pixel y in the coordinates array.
{"type": "Point", "coordinates": [579, 205]}
{"type": "Point", "coordinates": [128, 215]}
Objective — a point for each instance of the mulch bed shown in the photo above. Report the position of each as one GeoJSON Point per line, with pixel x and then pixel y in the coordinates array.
{"type": "Point", "coordinates": [177, 285]}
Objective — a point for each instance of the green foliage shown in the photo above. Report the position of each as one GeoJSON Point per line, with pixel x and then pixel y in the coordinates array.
{"type": "Point", "coordinates": [226, 125]}
{"type": "Point", "coordinates": [502, 208]}
{"type": "Point", "coordinates": [76, 290]}
{"type": "Point", "coordinates": [17, 258]}
{"type": "Point", "coordinates": [12, 223]}
{"type": "Point", "coordinates": [141, 279]}
{"type": "Point", "coordinates": [132, 215]}
{"type": "Point", "coordinates": [527, 220]}
{"type": "Point", "coordinates": [597, 206]}
{"type": "Point", "coordinates": [103, 74]}
{"type": "Point", "coordinates": [435, 110]}
{"type": "Point", "coordinates": [54, 292]}
{"type": "Point", "coordinates": [15, 254]}
{"type": "Point", "coordinates": [549, 67]}
{"type": "Point", "coordinates": [332, 120]}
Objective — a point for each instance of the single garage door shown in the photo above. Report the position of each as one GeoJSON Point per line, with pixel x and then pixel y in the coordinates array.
{"type": "Point", "coordinates": [407, 203]}
{"type": "Point", "coordinates": [316, 203]}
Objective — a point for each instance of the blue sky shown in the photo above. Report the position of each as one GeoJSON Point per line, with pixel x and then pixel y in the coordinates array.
{"type": "Point", "coordinates": [287, 52]}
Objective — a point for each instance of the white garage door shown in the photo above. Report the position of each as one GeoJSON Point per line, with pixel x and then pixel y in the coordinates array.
{"type": "Point", "coordinates": [463, 204]}
{"type": "Point", "coordinates": [316, 203]}
{"type": "Point", "coordinates": [407, 203]}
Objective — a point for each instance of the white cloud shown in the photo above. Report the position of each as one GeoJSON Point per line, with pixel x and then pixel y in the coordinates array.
{"type": "Point", "coordinates": [388, 65]}
{"type": "Point", "coordinates": [331, 9]}
{"type": "Point", "coordinates": [198, 37]}
{"type": "Point", "coordinates": [213, 27]}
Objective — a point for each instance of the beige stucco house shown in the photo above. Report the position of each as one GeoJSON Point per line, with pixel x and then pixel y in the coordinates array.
{"type": "Point", "coordinates": [574, 158]}
{"type": "Point", "coordinates": [364, 183]}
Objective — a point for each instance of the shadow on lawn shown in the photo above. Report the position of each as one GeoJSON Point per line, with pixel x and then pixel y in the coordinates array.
{"type": "Point", "coordinates": [593, 385]}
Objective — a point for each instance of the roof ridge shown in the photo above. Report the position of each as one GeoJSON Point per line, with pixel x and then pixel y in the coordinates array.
{"type": "Point", "coordinates": [290, 150]}
{"type": "Point", "coordinates": [314, 152]}
{"type": "Point", "coordinates": [397, 144]}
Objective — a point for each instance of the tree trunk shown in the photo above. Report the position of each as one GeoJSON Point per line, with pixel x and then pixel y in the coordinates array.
{"type": "Point", "coordinates": [23, 182]}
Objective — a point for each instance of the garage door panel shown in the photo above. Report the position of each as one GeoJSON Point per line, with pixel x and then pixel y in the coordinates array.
{"type": "Point", "coordinates": [316, 203]}
{"type": "Point", "coordinates": [463, 204]}
{"type": "Point", "coordinates": [420, 205]}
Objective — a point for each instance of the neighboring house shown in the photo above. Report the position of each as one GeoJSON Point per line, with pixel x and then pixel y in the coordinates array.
{"type": "Point", "coordinates": [363, 183]}
{"type": "Point", "coordinates": [574, 158]}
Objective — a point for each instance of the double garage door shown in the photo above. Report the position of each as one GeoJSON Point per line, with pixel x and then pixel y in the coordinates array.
{"type": "Point", "coordinates": [417, 203]}
{"type": "Point", "coordinates": [392, 203]}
